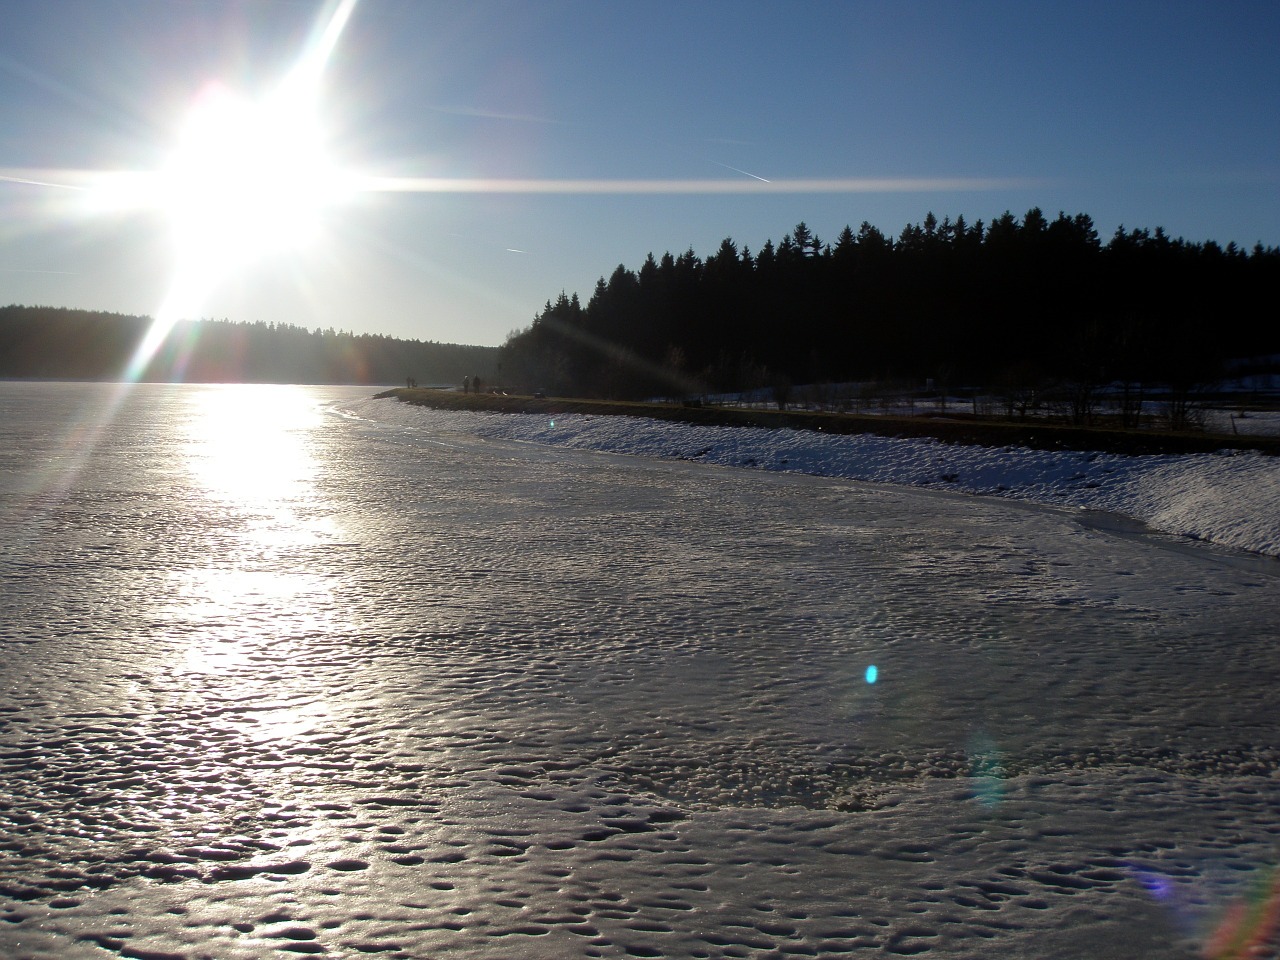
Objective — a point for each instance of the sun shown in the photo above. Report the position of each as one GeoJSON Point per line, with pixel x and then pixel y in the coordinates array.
{"type": "Point", "coordinates": [252, 177]}
{"type": "Point", "coordinates": [246, 179]}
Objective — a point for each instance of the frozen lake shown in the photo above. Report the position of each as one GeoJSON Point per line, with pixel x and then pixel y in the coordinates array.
{"type": "Point", "coordinates": [282, 673]}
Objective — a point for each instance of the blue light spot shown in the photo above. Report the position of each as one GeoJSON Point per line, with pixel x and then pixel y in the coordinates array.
{"type": "Point", "coordinates": [553, 423]}
{"type": "Point", "coordinates": [1158, 885]}
{"type": "Point", "coordinates": [872, 673]}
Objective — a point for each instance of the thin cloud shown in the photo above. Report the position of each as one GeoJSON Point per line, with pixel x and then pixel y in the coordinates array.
{"type": "Point", "coordinates": [496, 115]}
{"type": "Point", "coordinates": [67, 180]}
{"type": "Point", "coordinates": [48, 84]}
{"type": "Point", "coordinates": [755, 185]}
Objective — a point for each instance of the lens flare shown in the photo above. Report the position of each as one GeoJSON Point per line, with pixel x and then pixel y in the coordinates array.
{"type": "Point", "coordinates": [986, 771]}
{"type": "Point", "coordinates": [1249, 924]}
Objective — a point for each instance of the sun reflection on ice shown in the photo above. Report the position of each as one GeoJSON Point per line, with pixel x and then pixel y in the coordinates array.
{"type": "Point", "coordinates": [250, 444]}
{"type": "Point", "coordinates": [251, 455]}
{"type": "Point", "coordinates": [250, 690]}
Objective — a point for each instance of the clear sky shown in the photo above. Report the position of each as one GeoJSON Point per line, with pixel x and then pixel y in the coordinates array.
{"type": "Point", "coordinates": [612, 116]}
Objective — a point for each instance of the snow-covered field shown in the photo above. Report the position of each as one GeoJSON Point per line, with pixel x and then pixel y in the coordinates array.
{"type": "Point", "coordinates": [279, 681]}
{"type": "Point", "coordinates": [1229, 498]}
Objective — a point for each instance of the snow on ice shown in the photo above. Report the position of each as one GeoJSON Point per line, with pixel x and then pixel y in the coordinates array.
{"type": "Point", "coordinates": [1230, 498]}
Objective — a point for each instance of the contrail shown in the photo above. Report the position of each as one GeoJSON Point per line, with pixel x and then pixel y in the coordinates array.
{"type": "Point", "coordinates": [40, 183]}
{"type": "Point", "coordinates": [736, 170]}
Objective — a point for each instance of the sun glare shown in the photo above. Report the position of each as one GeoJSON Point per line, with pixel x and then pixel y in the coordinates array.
{"type": "Point", "coordinates": [247, 179]}
{"type": "Point", "coordinates": [250, 446]}
{"type": "Point", "coordinates": [251, 177]}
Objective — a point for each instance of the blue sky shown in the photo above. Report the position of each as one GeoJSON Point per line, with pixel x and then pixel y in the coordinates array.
{"type": "Point", "coordinates": [1136, 113]}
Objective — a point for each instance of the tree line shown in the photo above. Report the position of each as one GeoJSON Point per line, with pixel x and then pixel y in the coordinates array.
{"type": "Point", "coordinates": [1016, 304]}
{"type": "Point", "coordinates": [64, 344]}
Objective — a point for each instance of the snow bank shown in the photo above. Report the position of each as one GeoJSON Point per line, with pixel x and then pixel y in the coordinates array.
{"type": "Point", "coordinates": [1230, 497]}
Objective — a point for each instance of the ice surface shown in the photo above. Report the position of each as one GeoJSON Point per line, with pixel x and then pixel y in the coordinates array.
{"type": "Point", "coordinates": [448, 695]}
{"type": "Point", "coordinates": [1230, 497]}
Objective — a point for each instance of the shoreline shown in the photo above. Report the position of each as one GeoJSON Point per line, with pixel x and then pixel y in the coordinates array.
{"type": "Point", "coordinates": [1211, 493]}
{"type": "Point", "coordinates": [958, 430]}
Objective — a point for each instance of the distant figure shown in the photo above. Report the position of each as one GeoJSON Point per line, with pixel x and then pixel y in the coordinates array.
{"type": "Point", "coordinates": [466, 384]}
{"type": "Point", "coordinates": [475, 382]}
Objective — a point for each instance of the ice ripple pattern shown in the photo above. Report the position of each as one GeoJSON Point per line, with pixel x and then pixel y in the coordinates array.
{"type": "Point", "coordinates": [448, 698]}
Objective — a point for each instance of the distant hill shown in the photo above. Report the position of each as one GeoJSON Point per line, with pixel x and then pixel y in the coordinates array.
{"type": "Point", "coordinates": [61, 344]}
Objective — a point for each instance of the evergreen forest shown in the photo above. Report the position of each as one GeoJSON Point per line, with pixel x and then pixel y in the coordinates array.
{"type": "Point", "coordinates": [1013, 307]}
{"type": "Point", "coordinates": [60, 344]}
